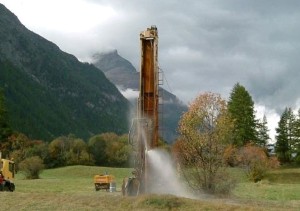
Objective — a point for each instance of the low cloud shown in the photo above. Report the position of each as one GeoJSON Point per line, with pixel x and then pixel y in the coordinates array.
{"type": "Point", "coordinates": [130, 94]}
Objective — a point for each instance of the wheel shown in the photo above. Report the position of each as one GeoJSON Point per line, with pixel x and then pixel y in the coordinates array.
{"type": "Point", "coordinates": [12, 187]}
{"type": "Point", "coordinates": [130, 187]}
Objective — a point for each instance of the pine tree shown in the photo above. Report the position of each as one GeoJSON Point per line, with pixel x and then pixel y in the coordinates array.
{"type": "Point", "coordinates": [241, 108]}
{"type": "Point", "coordinates": [262, 132]}
{"type": "Point", "coordinates": [297, 137]}
{"type": "Point", "coordinates": [285, 136]}
{"type": "Point", "coordinates": [4, 128]}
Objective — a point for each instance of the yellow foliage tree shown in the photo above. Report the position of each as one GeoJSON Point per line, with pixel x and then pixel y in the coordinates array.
{"type": "Point", "coordinates": [206, 130]}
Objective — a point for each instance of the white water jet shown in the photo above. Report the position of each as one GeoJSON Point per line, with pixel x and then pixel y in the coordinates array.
{"type": "Point", "coordinates": [163, 176]}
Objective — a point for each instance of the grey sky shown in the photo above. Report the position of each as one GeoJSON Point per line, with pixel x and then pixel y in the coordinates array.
{"type": "Point", "coordinates": [206, 45]}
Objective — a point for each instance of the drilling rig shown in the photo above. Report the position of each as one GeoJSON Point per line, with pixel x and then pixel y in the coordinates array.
{"type": "Point", "coordinates": [143, 135]}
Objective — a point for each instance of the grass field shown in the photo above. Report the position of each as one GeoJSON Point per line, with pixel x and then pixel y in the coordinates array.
{"type": "Point", "coordinates": [72, 188]}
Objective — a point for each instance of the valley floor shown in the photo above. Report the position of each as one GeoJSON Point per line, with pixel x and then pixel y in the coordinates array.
{"type": "Point", "coordinates": [72, 188]}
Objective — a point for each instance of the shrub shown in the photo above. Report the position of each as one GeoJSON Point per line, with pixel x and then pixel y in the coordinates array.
{"type": "Point", "coordinates": [31, 167]}
{"type": "Point", "coordinates": [230, 156]}
{"type": "Point", "coordinates": [224, 184]}
{"type": "Point", "coordinates": [255, 162]}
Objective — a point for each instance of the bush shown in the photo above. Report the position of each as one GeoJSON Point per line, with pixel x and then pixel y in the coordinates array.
{"type": "Point", "coordinates": [255, 162]}
{"type": "Point", "coordinates": [230, 156]}
{"type": "Point", "coordinates": [224, 184]}
{"type": "Point", "coordinates": [31, 167]}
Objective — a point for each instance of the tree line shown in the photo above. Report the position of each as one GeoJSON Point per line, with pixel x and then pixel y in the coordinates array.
{"type": "Point", "coordinates": [248, 129]}
{"type": "Point", "coordinates": [107, 149]}
{"type": "Point", "coordinates": [213, 133]}
{"type": "Point", "coordinates": [216, 134]}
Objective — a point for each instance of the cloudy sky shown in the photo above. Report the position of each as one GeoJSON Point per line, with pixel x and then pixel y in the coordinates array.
{"type": "Point", "coordinates": [204, 45]}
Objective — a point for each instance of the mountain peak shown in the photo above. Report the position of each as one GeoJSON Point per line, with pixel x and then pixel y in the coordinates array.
{"type": "Point", "coordinates": [108, 61]}
{"type": "Point", "coordinates": [111, 53]}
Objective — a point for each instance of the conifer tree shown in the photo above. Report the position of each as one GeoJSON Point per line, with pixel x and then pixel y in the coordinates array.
{"type": "Point", "coordinates": [4, 128]}
{"type": "Point", "coordinates": [241, 108]}
{"type": "Point", "coordinates": [297, 137]}
{"type": "Point", "coordinates": [285, 136]}
{"type": "Point", "coordinates": [262, 132]}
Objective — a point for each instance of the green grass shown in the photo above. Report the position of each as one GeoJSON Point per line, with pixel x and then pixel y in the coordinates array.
{"type": "Point", "coordinates": [72, 188]}
{"type": "Point", "coordinates": [285, 176]}
{"type": "Point", "coordinates": [280, 186]}
{"type": "Point", "coordinates": [67, 178]}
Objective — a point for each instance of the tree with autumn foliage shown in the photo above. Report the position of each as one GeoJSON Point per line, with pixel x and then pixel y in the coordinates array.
{"type": "Point", "coordinates": [255, 162]}
{"type": "Point", "coordinates": [68, 150]}
{"type": "Point", "coordinates": [109, 149]}
{"type": "Point", "coordinates": [32, 167]}
{"type": "Point", "coordinates": [205, 131]}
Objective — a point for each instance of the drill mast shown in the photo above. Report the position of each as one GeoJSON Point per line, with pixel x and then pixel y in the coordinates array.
{"type": "Point", "coordinates": [148, 102]}
{"type": "Point", "coordinates": [144, 131]}
{"type": "Point", "coordinates": [148, 98]}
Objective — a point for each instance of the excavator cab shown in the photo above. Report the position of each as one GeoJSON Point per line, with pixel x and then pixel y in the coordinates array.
{"type": "Point", "coordinates": [7, 169]}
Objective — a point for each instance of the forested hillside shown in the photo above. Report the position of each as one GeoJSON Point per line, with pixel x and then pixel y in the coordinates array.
{"type": "Point", "coordinates": [50, 93]}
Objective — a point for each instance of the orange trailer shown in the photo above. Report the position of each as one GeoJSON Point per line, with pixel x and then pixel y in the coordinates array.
{"type": "Point", "coordinates": [106, 182]}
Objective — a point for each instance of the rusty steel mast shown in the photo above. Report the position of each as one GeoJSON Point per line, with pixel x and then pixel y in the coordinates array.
{"type": "Point", "coordinates": [148, 99]}
{"type": "Point", "coordinates": [144, 136]}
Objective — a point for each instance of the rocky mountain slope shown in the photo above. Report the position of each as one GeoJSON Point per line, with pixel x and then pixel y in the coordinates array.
{"type": "Point", "coordinates": [49, 92]}
{"type": "Point", "coordinates": [123, 74]}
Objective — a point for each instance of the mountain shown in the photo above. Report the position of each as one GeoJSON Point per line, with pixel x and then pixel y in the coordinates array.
{"type": "Point", "coordinates": [123, 74]}
{"type": "Point", "coordinates": [119, 70]}
{"type": "Point", "coordinates": [49, 92]}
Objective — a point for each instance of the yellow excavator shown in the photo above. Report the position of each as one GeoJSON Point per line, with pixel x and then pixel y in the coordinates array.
{"type": "Point", "coordinates": [7, 174]}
